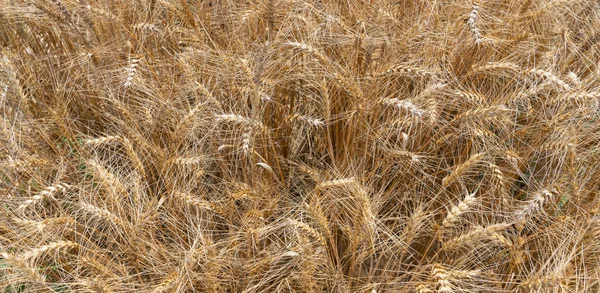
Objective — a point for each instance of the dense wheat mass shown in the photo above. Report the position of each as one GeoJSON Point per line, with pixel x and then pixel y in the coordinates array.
{"type": "Point", "coordinates": [299, 146]}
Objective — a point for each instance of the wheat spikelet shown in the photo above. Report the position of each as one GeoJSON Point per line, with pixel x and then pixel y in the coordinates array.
{"type": "Point", "coordinates": [549, 76]}
{"type": "Point", "coordinates": [42, 226]}
{"type": "Point", "coordinates": [573, 78]}
{"type": "Point", "coordinates": [320, 57]}
{"type": "Point", "coordinates": [63, 9]}
{"type": "Point", "coordinates": [193, 201]}
{"type": "Point", "coordinates": [208, 95]}
{"type": "Point", "coordinates": [133, 156]}
{"type": "Point", "coordinates": [593, 96]}
{"type": "Point", "coordinates": [96, 285]}
{"type": "Point", "coordinates": [98, 267]}
{"type": "Point", "coordinates": [490, 232]}
{"type": "Point", "coordinates": [48, 192]}
{"type": "Point", "coordinates": [101, 140]}
{"type": "Point", "coordinates": [414, 224]}
{"type": "Point", "coordinates": [349, 87]}
{"type": "Point", "coordinates": [442, 279]}
{"type": "Point", "coordinates": [536, 203]}
{"type": "Point", "coordinates": [403, 69]}
{"type": "Point", "coordinates": [127, 145]}
{"type": "Point", "coordinates": [28, 270]}
{"type": "Point", "coordinates": [313, 122]}
{"type": "Point", "coordinates": [471, 22]}
{"type": "Point", "coordinates": [108, 180]}
{"type": "Point", "coordinates": [481, 113]}
{"type": "Point", "coordinates": [548, 281]}
{"type": "Point", "coordinates": [308, 230]}
{"type": "Point", "coordinates": [545, 8]}
{"type": "Point", "coordinates": [246, 141]}
{"type": "Point", "coordinates": [4, 93]}
{"type": "Point", "coordinates": [213, 283]}
{"type": "Point", "coordinates": [473, 98]}
{"type": "Point", "coordinates": [96, 212]}
{"type": "Point", "coordinates": [189, 161]}
{"type": "Point", "coordinates": [9, 67]}
{"type": "Point", "coordinates": [404, 105]}
{"type": "Point", "coordinates": [37, 226]}
{"type": "Point", "coordinates": [494, 66]}
{"type": "Point", "coordinates": [238, 119]}
{"type": "Point", "coordinates": [484, 134]}
{"type": "Point", "coordinates": [186, 120]}
{"type": "Point", "coordinates": [423, 288]}
{"type": "Point", "coordinates": [336, 182]}
{"type": "Point", "coordinates": [32, 255]}
{"type": "Point", "coordinates": [525, 96]}
{"type": "Point", "coordinates": [462, 169]}
{"type": "Point", "coordinates": [413, 157]}
{"type": "Point", "coordinates": [131, 69]}
{"type": "Point", "coordinates": [316, 212]}
{"type": "Point", "coordinates": [166, 283]}
{"type": "Point", "coordinates": [498, 178]}
{"type": "Point", "coordinates": [457, 210]}
{"type": "Point", "coordinates": [146, 27]}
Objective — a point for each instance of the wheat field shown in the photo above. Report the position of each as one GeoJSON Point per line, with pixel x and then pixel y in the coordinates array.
{"type": "Point", "coordinates": [299, 146]}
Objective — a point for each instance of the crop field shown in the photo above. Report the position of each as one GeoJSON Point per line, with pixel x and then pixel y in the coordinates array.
{"type": "Point", "coordinates": [262, 146]}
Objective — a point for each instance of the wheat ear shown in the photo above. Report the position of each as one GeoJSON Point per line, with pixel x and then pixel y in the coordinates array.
{"type": "Point", "coordinates": [457, 210]}
{"type": "Point", "coordinates": [48, 192]}
{"type": "Point", "coordinates": [461, 169]}
{"type": "Point", "coordinates": [473, 15]}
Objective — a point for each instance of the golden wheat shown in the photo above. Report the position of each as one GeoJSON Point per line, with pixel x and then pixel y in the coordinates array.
{"type": "Point", "coordinates": [299, 146]}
